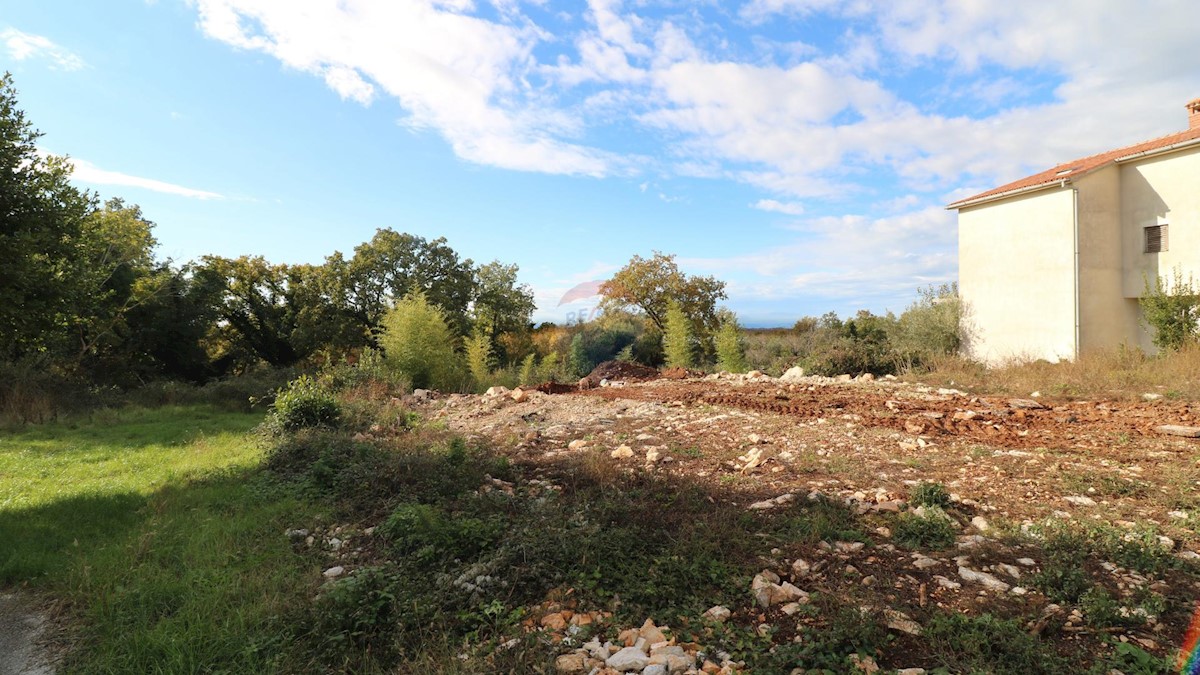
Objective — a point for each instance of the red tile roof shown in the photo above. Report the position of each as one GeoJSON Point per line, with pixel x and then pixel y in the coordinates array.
{"type": "Point", "coordinates": [1077, 168]}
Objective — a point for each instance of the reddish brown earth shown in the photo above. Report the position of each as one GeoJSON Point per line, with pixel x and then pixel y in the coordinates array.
{"type": "Point", "coordinates": [1009, 461]}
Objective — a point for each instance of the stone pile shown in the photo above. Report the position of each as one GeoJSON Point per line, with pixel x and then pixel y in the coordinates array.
{"type": "Point", "coordinates": [648, 650]}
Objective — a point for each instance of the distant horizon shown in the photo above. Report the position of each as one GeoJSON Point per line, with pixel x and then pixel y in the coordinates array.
{"type": "Point", "coordinates": [803, 151]}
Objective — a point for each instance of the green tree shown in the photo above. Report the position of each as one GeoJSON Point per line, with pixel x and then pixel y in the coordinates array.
{"type": "Point", "coordinates": [41, 223]}
{"type": "Point", "coordinates": [501, 304]}
{"type": "Point", "coordinates": [168, 333]}
{"type": "Point", "coordinates": [115, 273]}
{"type": "Point", "coordinates": [678, 342]}
{"type": "Point", "coordinates": [651, 285]}
{"type": "Point", "coordinates": [418, 342]}
{"type": "Point", "coordinates": [258, 307]}
{"type": "Point", "coordinates": [1171, 310]}
{"type": "Point", "coordinates": [391, 265]}
{"type": "Point", "coordinates": [731, 346]}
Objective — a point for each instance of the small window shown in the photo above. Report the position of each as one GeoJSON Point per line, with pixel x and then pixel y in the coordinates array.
{"type": "Point", "coordinates": [1156, 238]}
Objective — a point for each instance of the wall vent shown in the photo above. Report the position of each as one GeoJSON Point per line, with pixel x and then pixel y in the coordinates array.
{"type": "Point", "coordinates": [1156, 238]}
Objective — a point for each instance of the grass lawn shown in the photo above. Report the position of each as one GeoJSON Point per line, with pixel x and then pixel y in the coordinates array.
{"type": "Point", "coordinates": [159, 529]}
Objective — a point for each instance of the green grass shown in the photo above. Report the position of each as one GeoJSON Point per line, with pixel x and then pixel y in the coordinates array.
{"type": "Point", "coordinates": [162, 534]}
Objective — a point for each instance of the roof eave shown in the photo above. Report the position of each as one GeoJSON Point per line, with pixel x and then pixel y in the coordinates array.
{"type": "Point", "coordinates": [1159, 151]}
{"type": "Point", "coordinates": [1061, 182]}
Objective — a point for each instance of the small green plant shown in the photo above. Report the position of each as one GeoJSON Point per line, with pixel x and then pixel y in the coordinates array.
{"type": "Point", "coordinates": [930, 494]}
{"type": "Point", "coordinates": [931, 531]}
{"type": "Point", "coordinates": [303, 403]}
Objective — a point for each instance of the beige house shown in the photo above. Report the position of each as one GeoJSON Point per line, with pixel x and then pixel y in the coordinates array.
{"type": "Point", "coordinates": [1053, 264]}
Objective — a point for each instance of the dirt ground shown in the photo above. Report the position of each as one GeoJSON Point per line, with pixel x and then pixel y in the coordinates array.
{"type": "Point", "coordinates": [23, 628]}
{"type": "Point", "coordinates": [1011, 462]}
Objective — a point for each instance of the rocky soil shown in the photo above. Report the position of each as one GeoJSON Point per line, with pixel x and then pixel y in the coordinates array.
{"type": "Point", "coordinates": [1009, 466]}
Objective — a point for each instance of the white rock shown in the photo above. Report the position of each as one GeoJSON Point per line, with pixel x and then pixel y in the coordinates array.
{"type": "Point", "coordinates": [622, 452]}
{"type": "Point", "coordinates": [655, 669]}
{"type": "Point", "coordinates": [984, 578]}
{"type": "Point", "coordinates": [718, 613]}
{"type": "Point", "coordinates": [629, 658]}
{"type": "Point", "coordinates": [980, 523]}
{"type": "Point", "coordinates": [1079, 500]}
{"type": "Point", "coordinates": [334, 572]}
{"type": "Point", "coordinates": [653, 455]}
{"type": "Point", "coordinates": [496, 391]}
{"type": "Point", "coordinates": [946, 583]}
{"type": "Point", "coordinates": [793, 374]}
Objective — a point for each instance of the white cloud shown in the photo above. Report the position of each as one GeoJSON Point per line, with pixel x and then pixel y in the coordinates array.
{"type": "Point", "coordinates": [847, 259]}
{"type": "Point", "coordinates": [458, 74]}
{"type": "Point", "coordinates": [25, 46]}
{"type": "Point", "coordinates": [775, 206]}
{"type": "Point", "coordinates": [87, 172]}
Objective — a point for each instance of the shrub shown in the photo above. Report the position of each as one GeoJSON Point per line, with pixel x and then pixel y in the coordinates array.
{"type": "Point", "coordinates": [480, 359]}
{"type": "Point", "coordinates": [578, 363]}
{"type": "Point", "coordinates": [528, 370]}
{"type": "Point", "coordinates": [932, 326]}
{"type": "Point", "coordinates": [678, 342]}
{"type": "Point", "coordinates": [1171, 310]}
{"type": "Point", "coordinates": [303, 403]}
{"type": "Point", "coordinates": [731, 348]}
{"type": "Point", "coordinates": [418, 342]}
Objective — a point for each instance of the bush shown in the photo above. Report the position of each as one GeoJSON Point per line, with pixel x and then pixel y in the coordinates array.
{"type": "Point", "coordinates": [418, 342]}
{"type": "Point", "coordinates": [932, 326]}
{"type": "Point", "coordinates": [1171, 311]}
{"type": "Point", "coordinates": [302, 404]}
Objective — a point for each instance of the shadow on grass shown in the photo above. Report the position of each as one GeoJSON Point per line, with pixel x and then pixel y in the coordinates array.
{"type": "Point", "coordinates": [194, 577]}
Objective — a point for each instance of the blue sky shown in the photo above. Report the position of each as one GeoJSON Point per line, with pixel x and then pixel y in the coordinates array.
{"type": "Point", "coordinates": [801, 150]}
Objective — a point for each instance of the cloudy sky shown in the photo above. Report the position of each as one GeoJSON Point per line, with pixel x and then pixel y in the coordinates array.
{"type": "Point", "coordinates": [801, 150]}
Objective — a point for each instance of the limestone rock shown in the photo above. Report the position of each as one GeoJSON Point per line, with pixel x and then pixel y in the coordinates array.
{"type": "Point", "coordinates": [793, 374]}
{"type": "Point", "coordinates": [984, 578]}
{"type": "Point", "coordinates": [571, 664]}
{"type": "Point", "coordinates": [622, 452]}
{"type": "Point", "coordinates": [628, 659]}
{"type": "Point", "coordinates": [1179, 430]}
{"type": "Point", "coordinates": [718, 613]}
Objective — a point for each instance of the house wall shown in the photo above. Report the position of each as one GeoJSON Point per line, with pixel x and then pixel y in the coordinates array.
{"type": "Point", "coordinates": [1162, 190]}
{"type": "Point", "coordinates": [1016, 273]}
{"type": "Point", "coordinates": [1106, 317]}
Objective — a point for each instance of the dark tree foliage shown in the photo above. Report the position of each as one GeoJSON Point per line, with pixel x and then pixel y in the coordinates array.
{"type": "Point", "coordinates": [41, 216]}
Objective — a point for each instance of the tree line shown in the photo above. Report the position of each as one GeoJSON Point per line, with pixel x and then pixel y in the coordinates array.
{"type": "Point", "coordinates": [85, 293]}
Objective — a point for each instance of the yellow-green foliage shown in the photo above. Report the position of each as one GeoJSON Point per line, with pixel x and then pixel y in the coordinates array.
{"type": "Point", "coordinates": [418, 342]}
{"type": "Point", "coordinates": [678, 342]}
{"type": "Point", "coordinates": [479, 357]}
{"type": "Point", "coordinates": [731, 349]}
